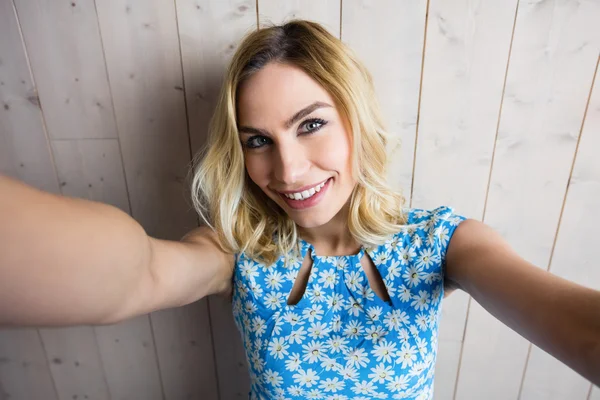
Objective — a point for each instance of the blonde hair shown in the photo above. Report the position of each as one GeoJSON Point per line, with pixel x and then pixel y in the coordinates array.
{"type": "Point", "coordinates": [245, 219]}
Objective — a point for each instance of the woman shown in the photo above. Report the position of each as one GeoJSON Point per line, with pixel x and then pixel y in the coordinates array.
{"type": "Point", "coordinates": [336, 287]}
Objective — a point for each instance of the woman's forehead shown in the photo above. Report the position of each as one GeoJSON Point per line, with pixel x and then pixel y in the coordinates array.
{"type": "Point", "coordinates": [275, 93]}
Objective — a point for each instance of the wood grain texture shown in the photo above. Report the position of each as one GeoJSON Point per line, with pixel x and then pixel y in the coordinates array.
{"type": "Point", "coordinates": [467, 47]}
{"type": "Point", "coordinates": [574, 258]}
{"type": "Point", "coordinates": [553, 58]}
{"type": "Point", "coordinates": [68, 67]}
{"type": "Point", "coordinates": [209, 33]}
{"type": "Point", "coordinates": [24, 150]}
{"type": "Point", "coordinates": [394, 61]}
{"type": "Point", "coordinates": [91, 169]}
{"type": "Point", "coordinates": [325, 12]}
{"type": "Point", "coordinates": [24, 370]}
{"type": "Point", "coordinates": [130, 361]}
{"type": "Point", "coordinates": [75, 363]}
{"type": "Point", "coordinates": [143, 57]}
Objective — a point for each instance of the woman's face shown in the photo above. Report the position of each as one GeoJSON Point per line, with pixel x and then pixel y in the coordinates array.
{"type": "Point", "coordinates": [296, 146]}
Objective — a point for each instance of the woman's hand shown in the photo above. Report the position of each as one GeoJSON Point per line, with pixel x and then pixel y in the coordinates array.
{"type": "Point", "coordinates": [559, 316]}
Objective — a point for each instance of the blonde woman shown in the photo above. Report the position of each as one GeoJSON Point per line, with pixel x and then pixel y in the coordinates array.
{"type": "Point", "coordinates": [336, 286]}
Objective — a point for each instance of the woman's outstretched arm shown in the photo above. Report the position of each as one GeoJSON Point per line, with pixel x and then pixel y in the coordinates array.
{"type": "Point", "coordinates": [68, 261]}
{"type": "Point", "coordinates": [557, 315]}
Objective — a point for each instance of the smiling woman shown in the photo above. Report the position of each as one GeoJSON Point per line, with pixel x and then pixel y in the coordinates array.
{"type": "Point", "coordinates": [336, 287]}
{"type": "Point", "coordinates": [297, 113]}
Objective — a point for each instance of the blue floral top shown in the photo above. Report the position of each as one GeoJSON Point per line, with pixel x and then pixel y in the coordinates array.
{"type": "Point", "coordinates": [341, 341]}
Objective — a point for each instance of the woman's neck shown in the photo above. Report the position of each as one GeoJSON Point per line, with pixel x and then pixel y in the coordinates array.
{"type": "Point", "coordinates": [332, 238]}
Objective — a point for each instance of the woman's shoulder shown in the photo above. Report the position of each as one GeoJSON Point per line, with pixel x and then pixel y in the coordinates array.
{"type": "Point", "coordinates": [441, 215]}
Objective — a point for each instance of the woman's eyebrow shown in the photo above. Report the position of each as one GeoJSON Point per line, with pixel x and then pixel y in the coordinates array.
{"type": "Point", "coordinates": [304, 112]}
{"type": "Point", "coordinates": [299, 115]}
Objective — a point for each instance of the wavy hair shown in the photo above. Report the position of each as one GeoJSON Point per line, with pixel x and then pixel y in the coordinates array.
{"type": "Point", "coordinates": [247, 220]}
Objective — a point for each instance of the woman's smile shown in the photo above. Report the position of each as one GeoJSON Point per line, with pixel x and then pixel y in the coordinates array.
{"type": "Point", "coordinates": [306, 197]}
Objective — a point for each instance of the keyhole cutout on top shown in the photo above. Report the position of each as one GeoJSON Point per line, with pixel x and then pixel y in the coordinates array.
{"type": "Point", "coordinates": [373, 277]}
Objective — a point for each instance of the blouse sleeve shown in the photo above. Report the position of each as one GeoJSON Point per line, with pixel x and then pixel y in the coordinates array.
{"type": "Point", "coordinates": [443, 223]}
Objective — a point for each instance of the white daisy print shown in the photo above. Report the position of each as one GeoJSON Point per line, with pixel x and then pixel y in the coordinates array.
{"type": "Point", "coordinates": [316, 294]}
{"type": "Point", "coordinates": [407, 355]}
{"type": "Point", "coordinates": [293, 362]}
{"type": "Point", "coordinates": [363, 387]}
{"type": "Point", "coordinates": [382, 257]}
{"type": "Point", "coordinates": [292, 318]}
{"type": "Point", "coordinates": [381, 373]}
{"type": "Point", "coordinates": [335, 302]}
{"type": "Point", "coordinates": [314, 394]}
{"type": "Point", "coordinates": [374, 313]}
{"type": "Point", "coordinates": [297, 335]}
{"type": "Point", "coordinates": [274, 300]}
{"type": "Point", "coordinates": [357, 358]}
{"type": "Point", "coordinates": [258, 325]}
{"type": "Point", "coordinates": [295, 390]}
{"type": "Point", "coordinates": [398, 383]}
{"type": "Point", "coordinates": [348, 372]}
{"type": "Point", "coordinates": [384, 351]}
{"type": "Point", "coordinates": [354, 329]}
{"type": "Point", "coordinates": [273, 377]}
{"type": "Point", "coordinates": [375, 333]}
{"type": "Point", "coordinates": [354, 307]}
{"type": "Point", "coordinates": [413, 275]}
{"type": "Point", "coordinates": [278, 348]}
{"type": "Point", "coordinates": [328, 278]}
{"type": "Point", "coordinates": [393, 270]}
{"type": "Point", "coordinates": [313, 351]}
{"type": "Point", "coordinates": [332, 384]}
{"type": "Point", "coordinates": [354, 280]}
{"type": "Point", "coordinates": [421, 301]}
{"type": "Point", "coordinates": [342, 342]}
{"type": "Point", "coordinates": [337, 344]}
{"type": "Point", "coordinates": [318, 330]}
{"type": "Point", "coordinates": [274, 280]}
{"type": "Point", "coordinates": [249, 270]}
{"type": "Point", "coordinates": [313, 313]}
{"type": "Point", "coordinates": [306, 378]}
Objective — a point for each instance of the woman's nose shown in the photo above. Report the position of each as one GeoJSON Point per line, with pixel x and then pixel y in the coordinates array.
{"type": "Point", "coordinates": [290, 163]}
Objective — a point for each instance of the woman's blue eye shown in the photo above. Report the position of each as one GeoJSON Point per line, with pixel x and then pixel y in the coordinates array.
{"type": "Point", "coordinates": [256, 141]}
{"type": "Point", "coordinates": [307, 127]}
{"type": "Point", "coordinates": [313, 124]}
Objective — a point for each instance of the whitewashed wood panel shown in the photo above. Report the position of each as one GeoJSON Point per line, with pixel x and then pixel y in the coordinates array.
{"type": "Point", "coordinates": [130, 362]}
{"type": "Point", "coordinates": [466, 53]}
{"type": "Point", "coordinates": [65, 51]}
{"type": "Point", "coordinates": [325, 12]}
{"type": "Point", "coordinates": [388, 38]}
{"type": "Point", "coordinates": [24, 370]}
{"type": "Point", "coordinates": [595, 394]}
{"type": "Point", "coordinates": [75, 363]}
{"type": "Point", "coordinates": [144, 65]}
{"type": "Point", "coordinates": [92, 169]}
{"type": "Point", "coordinates": [24, 151]}
{"type": "Point", "coordinates": [574, 258]}
{"type": "Point", "coordinates": [209, 33]}
{"type": "Point", "coordinates": [553, 57]}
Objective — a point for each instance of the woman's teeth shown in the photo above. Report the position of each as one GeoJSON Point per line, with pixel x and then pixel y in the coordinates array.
{"type": "Point", "coordinates": [305, 194]}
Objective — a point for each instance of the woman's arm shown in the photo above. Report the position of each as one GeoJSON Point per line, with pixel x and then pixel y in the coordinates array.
{"type": "Point", "coordinates": [559, 316]}
{"type": "Point", "coordinates": [68, 261]}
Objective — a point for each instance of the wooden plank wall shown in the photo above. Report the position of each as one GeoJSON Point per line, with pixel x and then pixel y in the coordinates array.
{"type": "Point", "coordinates": [497, 104]}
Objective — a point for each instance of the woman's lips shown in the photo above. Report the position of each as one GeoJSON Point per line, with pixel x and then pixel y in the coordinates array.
{"type": "Point", "coordinates": [310, 202]}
